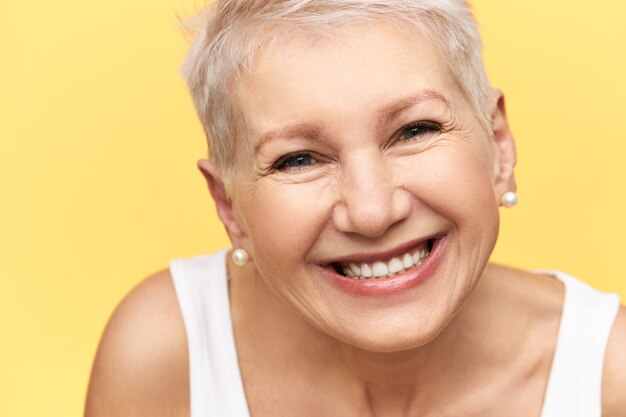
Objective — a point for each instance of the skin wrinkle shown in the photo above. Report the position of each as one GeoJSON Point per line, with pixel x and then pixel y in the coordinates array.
{"type": "Point", "coordinates": [382, 343]}
{"type": "Point", "coordinates": [308, 131]}
{"type": "Point", "coordinates": [269, 48]}
{"type": "Point", "coordinates": [451, 26]}
{"type": "Point", "coordinates": [389, 113]}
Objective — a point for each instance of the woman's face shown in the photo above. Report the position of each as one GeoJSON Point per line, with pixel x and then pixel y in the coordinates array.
{"type": "Point", "coordinates": [365, 158]}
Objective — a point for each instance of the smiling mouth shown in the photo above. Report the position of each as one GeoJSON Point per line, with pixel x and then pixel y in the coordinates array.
{"type": "Point", "coordinates": [385, 268]}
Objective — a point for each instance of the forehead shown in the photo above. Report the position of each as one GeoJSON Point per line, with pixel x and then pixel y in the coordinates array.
{"type": "Point", "coordinates": [350, 76]}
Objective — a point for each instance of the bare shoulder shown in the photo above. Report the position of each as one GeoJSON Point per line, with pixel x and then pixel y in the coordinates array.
{"type": "Point", "coordinates": [614, 378]}
{"type": "Point", "coordinates": [141, 368]}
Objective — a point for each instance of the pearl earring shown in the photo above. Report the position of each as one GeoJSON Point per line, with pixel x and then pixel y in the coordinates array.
{"type": "Point", "coordinates": [509, 199]}
{"type": "Point", "coordinates": [240, 257]}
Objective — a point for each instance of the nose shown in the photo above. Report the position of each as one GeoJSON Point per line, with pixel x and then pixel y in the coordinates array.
{"type": "Point", "coordinates": [371, 201]}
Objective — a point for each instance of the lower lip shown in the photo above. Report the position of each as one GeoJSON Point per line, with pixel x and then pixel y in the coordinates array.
{"type": "Point", "coordinates": [382, 287]}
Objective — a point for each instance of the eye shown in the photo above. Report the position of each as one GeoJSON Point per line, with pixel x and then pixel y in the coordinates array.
{"type": "Point", "coordinates": [418, 129]}
{"type": "Point", "coordinates": [295, 161]}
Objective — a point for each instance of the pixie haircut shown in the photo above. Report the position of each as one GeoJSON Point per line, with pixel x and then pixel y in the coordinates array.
{"type": "Point", "coordinates": [228, 34]}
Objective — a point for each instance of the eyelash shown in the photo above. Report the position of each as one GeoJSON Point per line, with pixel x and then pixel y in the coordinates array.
{"type": "Point", "coordinates": [284, 161]}
{"type": "Point", "coordinates": [425, 128]}
{"type": "Point", "coordinates": [422, 128]}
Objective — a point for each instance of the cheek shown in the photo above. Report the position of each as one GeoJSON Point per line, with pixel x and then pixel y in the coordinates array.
{"type": "Point", "coordinates": [455, 182]}
{"type": "Point", "coordinates": [284, 221]}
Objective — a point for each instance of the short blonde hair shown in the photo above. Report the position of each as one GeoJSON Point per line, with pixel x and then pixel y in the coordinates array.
{"type": "Point", "coordinates": [229, 33]}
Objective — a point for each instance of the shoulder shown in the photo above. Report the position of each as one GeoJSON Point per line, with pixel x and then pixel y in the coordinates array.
{"type": "Point", "coordinates": [614, 374]}
{"type": "Point", "coordinates": [141, 367]}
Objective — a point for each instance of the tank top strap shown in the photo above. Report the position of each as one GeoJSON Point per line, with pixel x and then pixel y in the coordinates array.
{"type": "Point", "coordinates": [575, 382]}
{"type": "Point", "coordinates": [215, 384]}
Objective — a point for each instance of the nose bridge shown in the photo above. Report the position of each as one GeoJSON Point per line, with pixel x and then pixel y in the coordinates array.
{"type": "Point", "coordinates": [366, 175]}
{"type": "Point", "coordinates": [370, 202]}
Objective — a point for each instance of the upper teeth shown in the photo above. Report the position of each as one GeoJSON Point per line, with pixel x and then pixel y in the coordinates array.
{"type": "Point", "coordinates": [380, 269]}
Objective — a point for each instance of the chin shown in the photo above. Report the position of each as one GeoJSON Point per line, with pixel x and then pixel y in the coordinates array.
{"type": "Point", "coordinates": [389, 336]}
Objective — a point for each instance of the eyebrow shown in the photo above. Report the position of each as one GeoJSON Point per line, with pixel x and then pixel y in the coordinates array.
{"type": "Point", "coordinates": [385, 115]}
{"type": "Point", "coordinates": [304, 130]}
{"type": "Point", "coordinates": [393, 110]}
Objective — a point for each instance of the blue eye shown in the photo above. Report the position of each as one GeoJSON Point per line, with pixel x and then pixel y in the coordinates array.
{"type": "Point", "coordinates": [295, 161]}
{"type": "Point", "coordinates": [419, 129]}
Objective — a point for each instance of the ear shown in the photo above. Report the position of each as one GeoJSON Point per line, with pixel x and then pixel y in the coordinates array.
{"type": "Point", "coordinates": [223, 203]}
{"type": "Point", "coordinates": [506, 157]}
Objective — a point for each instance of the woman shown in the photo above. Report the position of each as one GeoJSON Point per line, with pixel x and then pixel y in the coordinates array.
{"type": "Point", "coordinates": [358, 159]}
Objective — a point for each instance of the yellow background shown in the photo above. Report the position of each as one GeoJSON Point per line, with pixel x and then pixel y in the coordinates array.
{"type": "Point", "coordinates": [98, 143]}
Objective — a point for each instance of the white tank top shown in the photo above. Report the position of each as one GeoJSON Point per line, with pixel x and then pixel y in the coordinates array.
{"type": "Point", "coordinates": [216, 387]}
